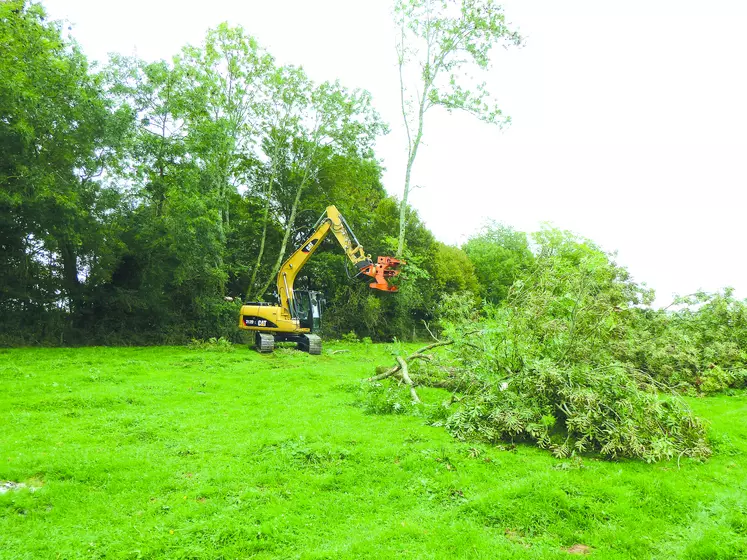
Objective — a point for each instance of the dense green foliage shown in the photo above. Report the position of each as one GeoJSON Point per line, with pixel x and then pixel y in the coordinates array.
{"type": "Point", "coordinates": [137, 198]}
{"type": "Point", "coordinates": [58, 134]}
{"type": "Point", "coordinates": [500, 255]}
{"type": "Point", "coordinates": [563, 299]}
{"type": "Point", "coordinates": [702, 345]}
{"type": "Point", "coordinates": [193, 453]}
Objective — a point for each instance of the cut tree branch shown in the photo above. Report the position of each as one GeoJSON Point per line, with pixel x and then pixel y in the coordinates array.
{"type": "Point", "coordinates": [406, 378]}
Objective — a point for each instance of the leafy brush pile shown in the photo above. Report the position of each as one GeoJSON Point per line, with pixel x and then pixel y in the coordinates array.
{"type": "Point", "coordinates": [548, 364]}
{"type": "Point", "coordinates": [579, 409]}
{"type": "Point", "coordinates": [700, 346]}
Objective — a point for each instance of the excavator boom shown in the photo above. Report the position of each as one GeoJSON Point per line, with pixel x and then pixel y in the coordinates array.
{"type": "Point", "coordinates": [332, 221]}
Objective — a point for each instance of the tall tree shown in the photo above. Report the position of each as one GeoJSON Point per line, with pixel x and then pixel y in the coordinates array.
{"type": "Point", "coordinates": [334, 121]}
{"type": "Point", "coordinates": [439, 43]}
{"type": "Point", "coordinates": [58, 133]}
{"type": "Point", "coordinates": [226, 101]}
{"type": "Point", "coordinates": [288, 91]}
{"type": "Point", "coordinates": [500, 255]}
{"type": "Point", "coordinates": [155, 94]}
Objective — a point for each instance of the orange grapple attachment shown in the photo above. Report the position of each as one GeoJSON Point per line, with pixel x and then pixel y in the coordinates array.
{"type": "Point", "coordinates": [385, 269]}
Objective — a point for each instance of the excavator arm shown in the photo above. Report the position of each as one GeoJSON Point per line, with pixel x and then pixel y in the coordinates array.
{"type": "Point", "coordinates": [332, 221]}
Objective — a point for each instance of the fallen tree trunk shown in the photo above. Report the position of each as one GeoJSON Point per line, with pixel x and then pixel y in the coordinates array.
{"type": "Point", "coordinates": [406, 378]}
{"type": "Point", "coordinates": [417, 355]}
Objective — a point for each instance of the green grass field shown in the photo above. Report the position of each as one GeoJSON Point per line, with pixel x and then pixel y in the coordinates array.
{"type": "Point", "coordinates": [174, 452]}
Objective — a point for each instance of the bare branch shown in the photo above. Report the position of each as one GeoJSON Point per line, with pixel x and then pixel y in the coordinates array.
{"type": "Point", "coordinates": [433, 336]}
{"type": "Point", "coordinates": [406, 378]}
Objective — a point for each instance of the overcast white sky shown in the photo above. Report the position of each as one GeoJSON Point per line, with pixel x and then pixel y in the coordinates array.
{"type": "Point", "coordinates": [629, 118]}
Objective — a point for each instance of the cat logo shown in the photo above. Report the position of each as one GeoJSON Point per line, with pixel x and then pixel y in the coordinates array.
{"type": "Point", "coordinates": [258, 322]}
{"type": "Point", "coordinates": [310, 245]}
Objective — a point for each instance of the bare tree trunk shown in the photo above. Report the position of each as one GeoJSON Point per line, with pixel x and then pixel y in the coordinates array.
{"type": "Point", "coordinates": [403, 210]}
{"type": "Point", "coordinates": [292, 219]}
{"type": "Point", "coordinates": [412, 144]}
{"type": "Point", "coordinates": [286, 237]}
{"type": "Point", "coordinates": [410, 162]}
{"type": "Point", "coordinates": [263, 240]}
{"type": "Point", "coordinates": [70, 276]}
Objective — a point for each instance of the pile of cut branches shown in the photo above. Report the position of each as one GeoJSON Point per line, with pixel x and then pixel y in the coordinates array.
{"type": "Point", "coordinates": [613, 410]}
{"type": "Point", "coordinates": [551, 363]}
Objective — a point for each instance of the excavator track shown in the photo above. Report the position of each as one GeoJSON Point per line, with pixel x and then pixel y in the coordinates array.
{"type": "Point", "coordinates": [264, 343]}
{"type": "Point", "coordinates": [310, 343]}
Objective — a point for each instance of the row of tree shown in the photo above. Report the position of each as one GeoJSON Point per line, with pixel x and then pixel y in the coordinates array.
{"type": "Point", "coordinates": [136, 197]}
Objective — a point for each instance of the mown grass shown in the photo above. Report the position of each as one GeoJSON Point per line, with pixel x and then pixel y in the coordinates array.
{"type": "Point", "coordinates": [180, 453]}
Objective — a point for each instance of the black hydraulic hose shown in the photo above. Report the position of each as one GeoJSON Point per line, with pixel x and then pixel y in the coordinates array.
{"type": "Point", "coordinates": [347, 271]}
{"type": "Point", "coordinates": [350, 231]}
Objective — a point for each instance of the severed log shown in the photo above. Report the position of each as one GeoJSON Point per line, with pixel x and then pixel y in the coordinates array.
{"type": "Point", "coordinates": [400, 369]}
{"type": "Point", "coordinates": [384, 374]}
{"type": "Point", "coordinates": [406, 378]}
{"type": "Point", "coordinates": [417, 355]}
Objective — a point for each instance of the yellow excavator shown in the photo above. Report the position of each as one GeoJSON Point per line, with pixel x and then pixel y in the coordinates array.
{"type": "Point", "coordinates": [298, 317]}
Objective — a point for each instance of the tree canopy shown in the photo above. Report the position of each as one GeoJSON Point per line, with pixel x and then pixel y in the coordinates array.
{"type": "Point", "coordinates": [442, 46]}
{"type": "Point", "coordinates": [139, 196]}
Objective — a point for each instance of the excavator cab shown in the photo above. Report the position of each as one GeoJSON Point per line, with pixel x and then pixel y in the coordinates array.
{"type": "Point", "coordinates": [309, 309]}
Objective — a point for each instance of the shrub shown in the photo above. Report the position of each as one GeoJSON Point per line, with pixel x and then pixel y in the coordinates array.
{"type": "Point", "coordinates": [213, 344]}
{"type": "Point", "coordinates": [701, 344]}
{"type": "Point", "coordinates": [350, 337]}
{"type": "Point", "coordinates": [379, 398]}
